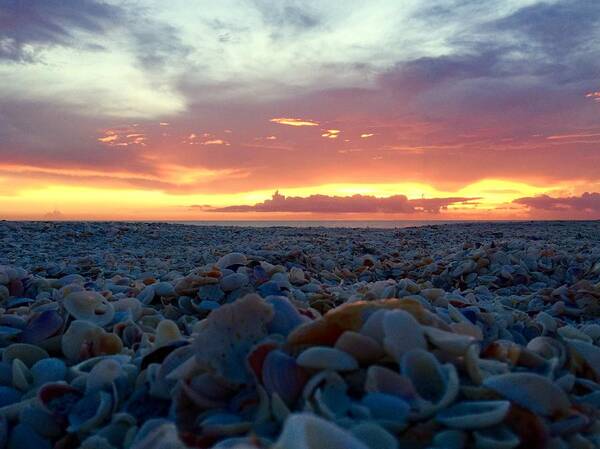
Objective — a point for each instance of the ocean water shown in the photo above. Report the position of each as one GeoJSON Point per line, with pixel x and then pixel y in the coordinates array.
{"type": "Point", "coordinates": [374, 224]}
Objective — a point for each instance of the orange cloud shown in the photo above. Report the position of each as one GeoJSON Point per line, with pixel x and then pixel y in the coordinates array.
{"type": "Point", "coordinates": [331, 133]}
{"type": "Point", "coordinates": [293, 121]}
{"type": "Point", "coordinates": [365, 135]}
{"type": "Point", "coordinates": [215, 142]}
{"type": "Point", "coordinates": [572, 136]}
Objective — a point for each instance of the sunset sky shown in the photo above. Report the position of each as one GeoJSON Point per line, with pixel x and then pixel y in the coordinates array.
{"type": "Point", "coordinates": [282, 109]}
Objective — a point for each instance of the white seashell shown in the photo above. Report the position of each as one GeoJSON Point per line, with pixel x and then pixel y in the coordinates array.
{"type": "Point", "coordinates": [89, 306]}
{"type": "Point", "coordinates": [103, 374]}
{"type": "Point", "coordinates": [166, 332]}
{"type": "Point", "coordinates": [474, 414]}
{"type": "Point", "coordinates": [307, 431]}
{"type": "Point", "coordinates": [455, 344]}
{"type": "Point", "coordinates": [531, 391]}
{"type": "Point", "coordinates": [232, 259]}
{"type": "Point", "coordinates": [570, 332]}
{"type": "Point", "coordinates": [325, 358]}
{"type": "Point", "coordinates": [373, 327]}
{"type": "Point", "coordinates": [402, 333]}
{"type": "Point", "coordinates": [362, 347]}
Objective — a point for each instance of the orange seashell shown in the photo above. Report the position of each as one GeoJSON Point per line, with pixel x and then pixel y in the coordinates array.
{"type": "Point", "coordinates": [351, 317]}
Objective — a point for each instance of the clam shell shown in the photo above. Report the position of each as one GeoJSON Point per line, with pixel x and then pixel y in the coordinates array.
{"type": "Point", "coordinates": [531, 391]}
{"type": "Point", "coordinates": [436, 385]}
{"type": "Point", "coordinates": [227, 335]}
{"type": "Point", "coordinates": [588, 353]}
{"type": "Point", "coordinates": [401, 333]}
{"type": "Point", "coordinates": [26, 353]}
{"type": "Point", "coordinates": [41, 327]}
{"type": "Point", "coordinates": [286, 317]}
{"type": "Point", "coordinates": [103, 374]}
{"type": "Point", "coordinates": [449, 342]}
{"type": "Point", "coordinates": [496, 438]}
{"type": "Point", "coordinates": [384, 380]}
{"type": "Point", "coordinates": [307, 431]}
{"type": "Point", "coordinates": [282, 375]}
{"type": "Point", "coordinates": [363, 348]}
{"type": "Point", "coordinates": [325, 358]}
{"type": "Point", "coordinates": [474, 414]}
{"type": "Point", "coordinates": [48, 370]}
{"type": "Point", "coordinates": [374, 436]}
{"type": "Point", "coordinates": [90, 411]}
{"type": "Point", "coordinates": [166, 332]}
{"type": "Point", "coordinates": [89, 306]}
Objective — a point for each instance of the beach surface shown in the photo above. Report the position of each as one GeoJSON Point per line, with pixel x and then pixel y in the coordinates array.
{"type": "Point", "coordinates": [156, 335]}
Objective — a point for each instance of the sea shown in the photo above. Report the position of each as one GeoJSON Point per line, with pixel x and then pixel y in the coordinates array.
{"type": "Point", "coordinates": [374, 224]}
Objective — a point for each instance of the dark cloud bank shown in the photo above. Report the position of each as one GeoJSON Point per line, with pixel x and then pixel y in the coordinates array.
{"type": "Point", "coordinates": [396, 204]}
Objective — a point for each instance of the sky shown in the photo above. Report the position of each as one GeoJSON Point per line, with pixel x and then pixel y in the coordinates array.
{"type": "Point", "coordinates": [299, 109]}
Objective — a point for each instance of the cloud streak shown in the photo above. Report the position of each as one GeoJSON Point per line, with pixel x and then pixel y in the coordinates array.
{"type": "Point", "coordinates": [586, 202]}
{"type": "Point", "coordinates": [396, 204]}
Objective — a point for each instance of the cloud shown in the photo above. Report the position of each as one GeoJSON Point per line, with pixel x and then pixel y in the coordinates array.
{"type": "Point", "coordinates": [586, 202]}
{"type": "Point", "coordinates": [396, 204]}
{"type": "Point", "coordinates": [28, 26]}
{"type": "Point", "coordinates": [294, 121]}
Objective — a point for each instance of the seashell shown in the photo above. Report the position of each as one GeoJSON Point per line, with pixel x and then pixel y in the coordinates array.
{"type": "Point", "coordinates": [401, 334]}
{"type": "Point", "coordinates": [84, 339]}
{"type": "Point", "coordinates": [384, 380]}
{"type": "Point", "coordinates": [9, 395]}
{"type": "Point", "coordinates": [282, 375]}
{"type": "Point", "coordinates": [89, 411]}
{"type": "Point", "coordinates": [331, 399]}
{"type": "Point", "coordinates": [473, 414]}
{"type": "Point", "coordinates": [159, 354]}
{"type": "Point", "coordinates": [373, 326]}
{"type": "Point", "coordinates": [157, 434]}
{"type": "Point", "coordinates": [351, 316]}
{"type": "Point", "coordinates": [436, 385]}
{"type": "Point", "coordinates": [226, 336]}
{"type": "Point", "coordinates": [26, 353]}
{"type": "Point", "coordinates": [496, 438]}
{"type": "Point", "coordinates": [307, 431]}
{"type": "Point", "coordinates": [570, 332]}
{"type": "Point", "coordinates": [450, 439]}
{"type": "Point", "coordinates": [40, 421]}
{"type": "Point", "coordinates": [374, 436]}
{"type": "Point", "coordinates": [48, 370]}
{"type": "Point", "coordinates": [164, 289]}
{"type": "Point", "coordinates": [21, 376]}
{"type": "Point", "coordinates": [222, 424]}
{"type": "Point", "coordinates": [324, 358]}
{"type": "Point", "coordinates": [103, 374]}
{"type": "Point", "coordinates": [23, 436]}
{"type": "Point", "coordinates": [449, 342]}
{"type": "Point", "coordinates": [531, 391]}
{"type": "Point", "coordinates": [232, 259]}
{"type": "Point", "coordinates": [363, 348]}
{"type": "Point", "coordinates": [386, 407]}
{"type": "Point", "coordinates": [286, 317]}
{"type": "Point", "coordinates": [548, 348]}
{"type": "Point", "coordinates": [587, 353]}
{"type": "Point", "coordinates": [166, 332]}
{"type": "Point", "coordinates": [146, 296]}
{"type": "Point", "coordinates": [41, 327]}
{"type": "Point", "coordinates": [89, 306]}
{"type": "Point", "coordinates": [58, 398]}
{"type": "Point", "coordinates": [233, 281]}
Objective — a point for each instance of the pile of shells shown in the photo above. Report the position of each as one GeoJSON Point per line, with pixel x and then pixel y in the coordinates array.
{"type": "Point", "coordinates": [318, 338]}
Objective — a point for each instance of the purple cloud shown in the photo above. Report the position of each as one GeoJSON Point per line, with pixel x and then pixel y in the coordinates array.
{"type": "Point", "coordinates": [27, 25]}
{"type": "Point", "coordinates": [587, 202]}
{"type": "Point", "coordinates": [396, 204]}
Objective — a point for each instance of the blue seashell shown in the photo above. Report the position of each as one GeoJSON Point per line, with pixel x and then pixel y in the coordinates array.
{"type": "Point", "coordinates": [24, 437]}
{"type": "Point", "coordinates": [282, 375]}
{"type": "Point", "coordinates": [259, 275]}
{"type": "Point", "coordinates": [5, 374]}
{"type": "Point", "coordinates": [9, 395]}
{"type": "Point", "coordinates": [7, 332]}
{"type": "Point", "coordinates": [470, 314]}
{"type": "Point", "coordinates": [41, 327]}
{"type": "Point", "coordinates": [286, 317]}
{"type": "Point", "coordinates": [386, 406]}
{"type": "Point", "coordinates": [17, 302]}
{"type": "Point", "coordinates": [208, 305]}
{"type": "Point", "coordinates": [211, 292]}
{"type": "Point", "coordinates": [270, 288]}
{"type": "Point", "coordinates": [48, 370]}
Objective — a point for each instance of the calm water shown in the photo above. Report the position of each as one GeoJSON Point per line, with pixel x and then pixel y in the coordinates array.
{"type": "Point", "coordinates": [382, 224]}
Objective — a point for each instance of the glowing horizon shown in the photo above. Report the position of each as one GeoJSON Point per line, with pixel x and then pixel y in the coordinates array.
{"type": "Point", "coordinates": [202, 113]}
